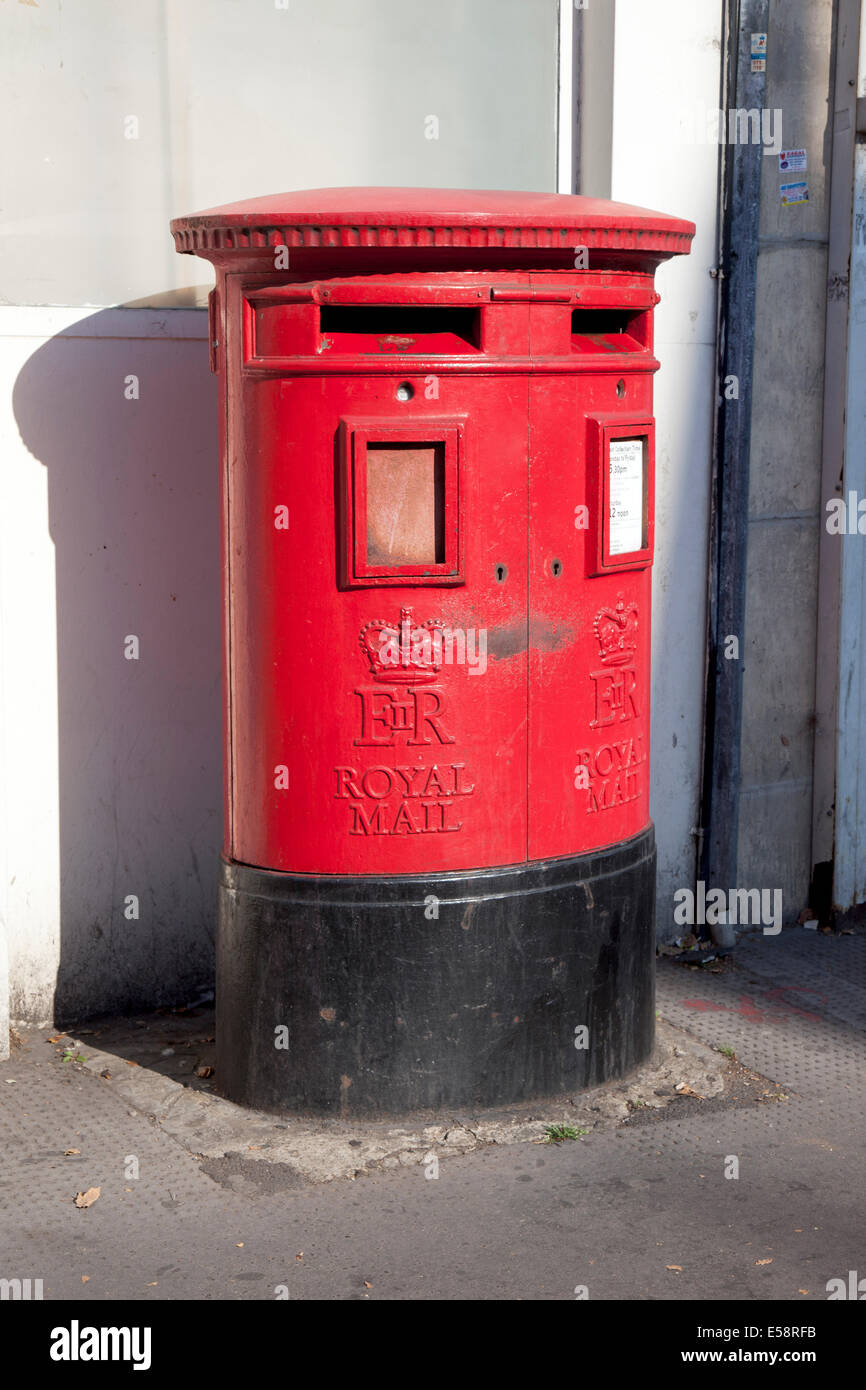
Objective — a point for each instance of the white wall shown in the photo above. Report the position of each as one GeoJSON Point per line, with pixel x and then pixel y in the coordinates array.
{"type": "Point", "coordinates": [110, 776]}
{"type": "Point", "coordinates": [108, 507]}
{"type": "Point", "coordinates": [666, 75]}
{"type": "Point", "coordinates": [237, 98]}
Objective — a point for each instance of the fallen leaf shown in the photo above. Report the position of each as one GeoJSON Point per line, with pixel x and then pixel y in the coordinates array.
{"type": "Point", "coordinates": [206, 1071]}
{"type": "Point", "coordinates": [85, 1278]}
{"type": "Point", "coordinates": [58, 1038]}
{"type": "Point", "coordinates": [686, 1090]}
{"type": "Point", "coordinates": [67, 1152]}
{"type": "Point", "coordinates": [763, 1262]}
{"type": "Point", "coordinates": [106, 1074]}
{"type": "Point", "coordinates": [130, 1064]}
{"type": "Point", "coordinates": [367, 1285]}
{"type": "Point", "coordinates": [239, 1244]}
{"type": "Point", "coordinates": [153, 1285]}
{"type": "Point", "coordinates": [86, 1199]}
{"type": "Point", "coordinates": [802, 1291]}
{"type": "Point", "coordinates": [300, 1255]}
{"type": "Point", "coordinates": [678, 1268]}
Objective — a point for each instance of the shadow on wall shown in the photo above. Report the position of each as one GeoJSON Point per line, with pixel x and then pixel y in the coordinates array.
{"type": "Point", "coordinates": [133, 515]}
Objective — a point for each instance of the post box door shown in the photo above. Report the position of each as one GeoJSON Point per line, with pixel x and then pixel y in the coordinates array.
{"type": "Point", "coordinates": [590, 470]}
{"type": "Point", "coordinates": [341, 764]}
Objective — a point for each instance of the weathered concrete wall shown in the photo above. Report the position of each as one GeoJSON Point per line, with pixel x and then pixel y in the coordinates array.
{"type": "Point", "coordinates": [849, 885]}
{"type": "Point", "coordinates": [785, 466]}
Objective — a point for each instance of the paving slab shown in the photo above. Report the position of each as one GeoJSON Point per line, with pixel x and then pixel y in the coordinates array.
{"type": "Point", "coordinates": [320, 1150]}
{"type": "Point", "coordinates": [753, 1192]}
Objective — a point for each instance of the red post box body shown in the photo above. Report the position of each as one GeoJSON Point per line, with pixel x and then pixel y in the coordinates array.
{"type": "Point", "coordinates": [438, 463]}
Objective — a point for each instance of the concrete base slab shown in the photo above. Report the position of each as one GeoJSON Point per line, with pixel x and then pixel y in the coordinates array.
{"type": "Point", "coordinates": [320, 1150]}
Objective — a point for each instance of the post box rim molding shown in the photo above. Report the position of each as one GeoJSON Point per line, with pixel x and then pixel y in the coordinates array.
{"type": "Point", "coordinates": [437, 446]}
{"type": "Point", "coordinates": [427, 219]}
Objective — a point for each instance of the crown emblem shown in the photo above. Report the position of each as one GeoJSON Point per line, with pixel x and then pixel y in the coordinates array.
{"type": "Point", "coordinates": [405, 651]}
{"type": "Point", "coordinates": [616, 630]}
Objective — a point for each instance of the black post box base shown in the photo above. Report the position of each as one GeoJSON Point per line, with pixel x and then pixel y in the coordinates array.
{"type": "Point", "coordinates": [362, 996]}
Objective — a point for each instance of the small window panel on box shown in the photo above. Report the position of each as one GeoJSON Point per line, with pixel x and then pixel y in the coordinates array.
{"type": "Point", "coordinates": [620, 477]}
{"type": "Point", "coordinates": [401, 491]}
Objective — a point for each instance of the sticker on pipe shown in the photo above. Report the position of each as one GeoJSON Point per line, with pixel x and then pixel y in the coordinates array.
{"type": "Point", "coordinates": [758, 53]}
{"type": "Point", "coordinates": [626, 496]}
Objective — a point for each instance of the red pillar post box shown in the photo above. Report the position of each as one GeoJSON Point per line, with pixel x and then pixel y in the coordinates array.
{"type": "Point", "coordinates": [437, 498]}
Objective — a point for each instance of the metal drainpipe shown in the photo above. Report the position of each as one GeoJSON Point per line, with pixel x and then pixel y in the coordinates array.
{"type": "Point", "coordinates": [740, 176]}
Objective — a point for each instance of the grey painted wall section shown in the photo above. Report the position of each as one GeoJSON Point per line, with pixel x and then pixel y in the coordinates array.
{"type": "Point", "coordinates": [841, 218]}
{"type": "Point", "coordinates": [236, 98]}
{"type": "Point", "coordinates": [597, 27]}
{"type": "Point", "coordinates": [779, 650]}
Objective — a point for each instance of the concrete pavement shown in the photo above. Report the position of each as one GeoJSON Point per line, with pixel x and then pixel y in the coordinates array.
{"type": "Point", "coordinates": [645, 1206]}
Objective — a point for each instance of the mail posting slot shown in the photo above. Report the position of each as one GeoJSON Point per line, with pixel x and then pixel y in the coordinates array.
{"type": "Point", "coordinates": [437, 499]}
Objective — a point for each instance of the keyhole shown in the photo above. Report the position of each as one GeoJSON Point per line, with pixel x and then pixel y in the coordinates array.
{"type": "Point", "coordinates": [556, 568]}
{"type": "Point", "coordinates": [501, 572]}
